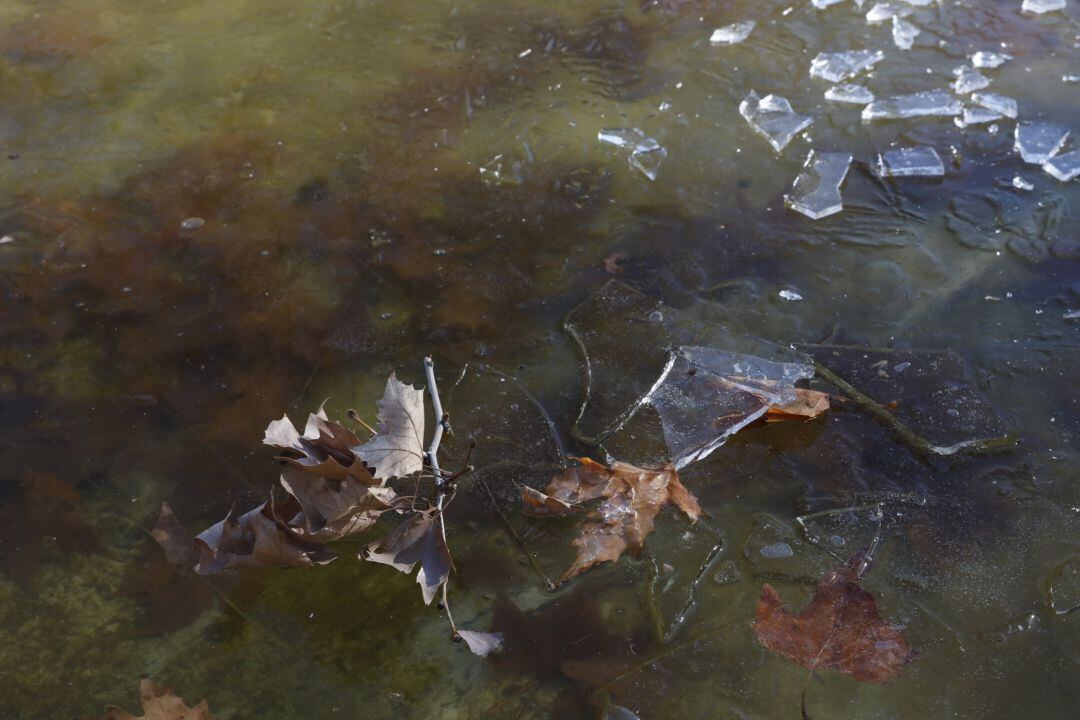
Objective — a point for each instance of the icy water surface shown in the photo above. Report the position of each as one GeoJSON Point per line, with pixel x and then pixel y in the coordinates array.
{"type": "Point", "coordinates": [216, 212]}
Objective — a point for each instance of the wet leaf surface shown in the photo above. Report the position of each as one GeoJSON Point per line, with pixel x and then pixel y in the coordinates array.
{"type": "Point", "coordinates": [159, 703]}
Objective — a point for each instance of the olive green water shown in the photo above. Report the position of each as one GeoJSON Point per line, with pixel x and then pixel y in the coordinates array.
{"type": "Point", "coordinates": [381, 180]}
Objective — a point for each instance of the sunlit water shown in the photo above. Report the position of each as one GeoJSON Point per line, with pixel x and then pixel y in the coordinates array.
{"type": "Point", "coordinates": [379, 180]}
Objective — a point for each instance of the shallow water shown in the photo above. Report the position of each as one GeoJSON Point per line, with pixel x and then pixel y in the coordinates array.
{"type": "Point", "coordinates": [380, 180]}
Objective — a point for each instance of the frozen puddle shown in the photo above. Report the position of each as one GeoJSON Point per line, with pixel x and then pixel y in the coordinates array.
{"type": "Point", "coordinates": [1037, 142]}
{"type": "Point", "coordinates": [932, 103]}
{"type": "Point", "coordinates": [1064, 167]}
{"type": "Point", "coordinates": [732, 34]}
{"type": "Point", "coordinates": [919, 161]}
{"type": "Point", "coordinates": [816, 191]}
{"type": "Point", "coordinates": [772, 118]}
{"type": "Point", "coordinates": [646, 154]}
{"type": "Point", "coordinates": [839, 66]}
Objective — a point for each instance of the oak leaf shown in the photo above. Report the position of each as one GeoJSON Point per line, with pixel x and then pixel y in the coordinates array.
{"type": "Point", "coordinates": [633, 497]}
{"type": "Point", "coordinates": [159, 703]}
{"type": "Point", "coordinates": [397, 449]}
{"type": "Point", "coordinates": [840, 629]}
{"type": "Point", "coordinates": [417, 540]}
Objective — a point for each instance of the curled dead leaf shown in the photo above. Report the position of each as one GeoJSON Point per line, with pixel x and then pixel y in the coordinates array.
{"type": "Point", "coordinates": [633, 497]}
{"type": "Point", "coordinates": [325, 449]}
{"type": "Point", "coordinates": [331, 509]}
{"type": "Point", "coordinates": [418, 539]}
{"type": "Point", "coordinates": [537, 504]}
{"type": "Point", "coordinates": [806, 405]}
{"type": "Point", "coordinates": [840, 629]}
{"type": "Point", "coordinates": [158, 703]}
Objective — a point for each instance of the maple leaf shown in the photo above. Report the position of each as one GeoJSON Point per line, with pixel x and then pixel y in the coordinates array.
{"type": "Point", "coordinates": [417, 540]}
{"type": "Point", "coordinates": [256, 538]}
{"type": "Point", "coordinates": [330, 509]}
{"type": "Point", "coordinates": [325, 449]}
{"type": "Point", "coordinates": [159, 703]}
{"type": "Point", "coordinates": [397, 449]}
{"type": "Point", "coordinates": [633, 497]}
{"type": "Point", "coordinates": [840, 629]}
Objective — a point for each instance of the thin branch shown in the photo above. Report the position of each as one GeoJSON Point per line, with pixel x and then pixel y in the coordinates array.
{"type": "Point", "coordinates": [441, 421]}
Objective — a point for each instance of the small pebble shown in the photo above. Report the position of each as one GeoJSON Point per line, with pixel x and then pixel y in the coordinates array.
{"type": "Point", "coordinates": [192, 223]}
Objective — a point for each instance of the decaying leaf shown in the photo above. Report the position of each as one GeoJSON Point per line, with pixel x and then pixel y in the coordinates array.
{"type": "Point", "coordinates": [256, 538]}
{"type": "Point", "coordinates": [482, 643]}
{"type": "Point", "coordinates": [173, 538]}
{"type": "Point", "coordinates": [633, 497]}
{"type": "Point", "coordinates": [840, 629]}
{"type": "Point", "coordinates": [397, 449]}
{"type": "Point", "coordinates": [325, 449]}
{"type": "Point", "coordinates": [159, 703]}
{"type": "Point", "coordinates": [417, 540]}
{"type": "Point", "coordinates": [538, 504]}
{"type": "Point", "coordinates": [807, 405]}
{"type": "Point", "coordinates": [330, 509]}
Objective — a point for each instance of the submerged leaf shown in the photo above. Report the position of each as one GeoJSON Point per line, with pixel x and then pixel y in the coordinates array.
{"type": "Point", "coordinates": [633, 497]}
{"type": "Point", "coordinates": [806, 405]}
{"type": "Point", "coordinates": [159, 703]}
{"type": "Point", "coordinates": [482, 643]}
{"type": "Point", "coordinates": [173, 538]}
{"type": "Point", "coordinates": [840, 629]}
{"type": "Point", "coordinates": [417, 540]}
{"type": "Point", "coordinates": [397, 449]}
{"type": "Point", "coordinates": [256, 538]}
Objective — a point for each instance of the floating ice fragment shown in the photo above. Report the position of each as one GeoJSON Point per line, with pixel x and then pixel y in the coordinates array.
{"type": "Point", "coordinates": [1021, 184]}
{"type": "Point", "coordinates": [882, 12]}
{"type": "Point", "coordinates": [998, 103]}
{"type": "Point", "coordinates": [988, 59]}
{"type": "Point", "coordinates": [816, 191]}
{"type": "Point", "coordinates": [790, 295]}
{"type": "Point", "coordinates": [1038, 7]}
{"type": "Point", "coordinates": [918, 161]}
{"type": "Point", "coordinates": [772, 118]}
{"type": "Point", "coordinates": [839, 66]}
{"type": "Point", "coordinates": [1037, 142]}
{"type": "Point", "coordinates": [926, 103]}
{"type": "Point", "coordinates": [968, 80]}
{"type": "Point", "coordinates": [1070, 78]}
{"type": "Point", "coordinates": [822, 4]}
{"type": "Point", "coordinates": [732, 34]}
{"type": "Point", "coordinates": [848, 93]}
{"type": "Point", "coordinates": [1065, 166]}
{"type": "Point", "coordinates": [904, 33]}
{"type": "Point", "coordinates": [977, 116]}
{"type": "Point", "coordinates": [646, 154]}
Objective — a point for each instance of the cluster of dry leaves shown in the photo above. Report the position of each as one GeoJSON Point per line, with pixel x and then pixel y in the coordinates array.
{"type": "Point", "coordinates": [335, 484]}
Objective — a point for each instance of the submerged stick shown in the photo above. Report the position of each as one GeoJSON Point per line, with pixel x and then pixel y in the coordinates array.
{"type": "Point", "coordinates": [908, 436]}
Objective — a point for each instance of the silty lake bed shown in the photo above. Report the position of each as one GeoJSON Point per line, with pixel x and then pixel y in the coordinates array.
{"type": "Point", "coordinates": [215, 213]}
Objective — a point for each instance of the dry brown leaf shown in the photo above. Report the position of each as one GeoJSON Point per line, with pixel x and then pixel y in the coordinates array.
{"type": "Point", "coordinates": [256, 538]}
{"type": "Point", "coordinates": [633, 497]}
{"type": "Point", "coordinates": [331, 509]}
{"type": "Point", "coordinates": [397, 449]}
{"type": "Point", "coordinates": [325, 449]}
{"type": "Point", "coordinates": [807, 405]}
{"type": "Point", "coordinates": [159, 703]}
{"type": "Point", "coordinates": [417, 540]}
{"type": "Point", "coordinates": [537, 504]}
{"type": "Point", "coordinates": [840, 629]}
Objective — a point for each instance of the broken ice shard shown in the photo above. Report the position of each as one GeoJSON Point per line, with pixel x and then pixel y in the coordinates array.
{"type": "Point", "coordinates": [1038, 7]}
{"type": "Point", "coordinates": [847, 93]}
{"type": "Point", "coordinates": [816, 191]}
{"type": "Point", "coordinates": [822, 4]}
{"type": "Point", "coordinates": [977, 116]}
{"type": "Point", "coordinates": [839, 66]}
{"type": "Point", "coordinates": [882, 12]}
{"type": "Point", "coordinates": [968, 80]}
{"type": "Point", "coordinates": [772, 118]}
{"type": "Point", "coordinates": [903, 33]}
{"type": "Point", "coordinates": [732, 34]}
{"type": "Point", "coordinates": [646, 154]}
{"type": "Point", "coordinates": [926, 103]}
{"type": "Point", "coordinates": [1037, 142]}
{"type": "Point", "coordinates": [918, 161]}
{"type": "Point", "coordinates": [1065, 166]}
{"type": "Point", "coordinates": [1021, 184]}
{"type": "Point", "coordinates": [998, 103]}
{"type": "Point", "coordinates": [987, 59]}
{"type": "Point", "coordinates": [705, 396]}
